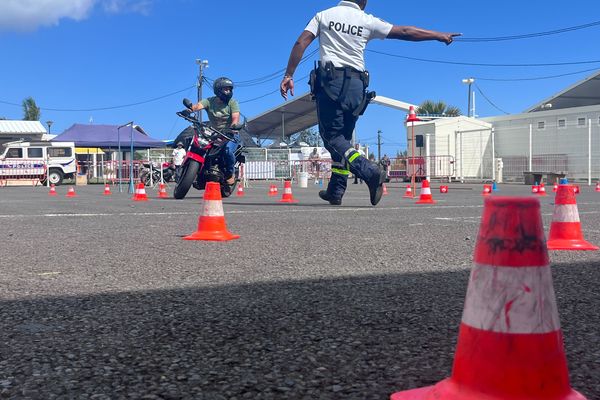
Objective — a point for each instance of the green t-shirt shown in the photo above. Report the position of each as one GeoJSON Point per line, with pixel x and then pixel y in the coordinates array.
{"type": "Point", "coordinates": [218, 112]}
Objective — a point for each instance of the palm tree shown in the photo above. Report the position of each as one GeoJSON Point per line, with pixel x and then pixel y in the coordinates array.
{"type": "Point", "coordinates": [31, 112]}
{"type": "Point", "coordinates": [440, 108]}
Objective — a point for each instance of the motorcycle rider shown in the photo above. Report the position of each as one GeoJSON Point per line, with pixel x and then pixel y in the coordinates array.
{"type": "Point", "coordinates": [223, 112]}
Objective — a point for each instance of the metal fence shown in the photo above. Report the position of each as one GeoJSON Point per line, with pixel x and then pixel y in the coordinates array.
{"type": "Point", "coordinates": [570, 147]}
{"type": "Point", "coordinates": [22, 171]}
{"type": "Point", "coordinates": [432, 167]}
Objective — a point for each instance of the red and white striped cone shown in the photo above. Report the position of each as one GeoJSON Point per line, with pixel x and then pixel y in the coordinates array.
{"type": "Point", "coordinates": [555, 188]}
{"type": "Point", "coordinates": [140, 193]}
{"type": "Point", "coordinates": [52, 191]}
{"type": "Point", "coordinates": [598, 187]}
{"type": "Point", "coordinates": [162, 191]}
{"type": "Point", "coordinates": [510, 346]}
{"type": "Point", "coordinates": [211, 223]}
{"type": "Point", "coordinates": [542, 190]}
{"type": "Point", "coordinates": [576, 189]}
{"type": "Point", "coordinates": [425, 196]}
{"type": "Point", "coordinates": [565, 230]}
{"type": "Point", "coordinates": [71, 192]}
{"type": "Point", "coordinates": [409, 193]}
{"type": "Point", "coordinates": [443, 189]}
{"type": "Point", "coordinates": [287, 196]}
{"type": "Point", "coordinates": [107, 191]}
{"type": "Point", "coordinates": [240, 190]}
{"type": "Point", "coordinates": [535, 189]}
{"type": "Point", "coordinates": [274, 191]}
{"type": "Point", "coordinates": [487, 190]}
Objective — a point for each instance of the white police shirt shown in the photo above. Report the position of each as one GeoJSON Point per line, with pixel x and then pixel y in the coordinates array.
{"type": "Point", "coordinates": [344, 32]}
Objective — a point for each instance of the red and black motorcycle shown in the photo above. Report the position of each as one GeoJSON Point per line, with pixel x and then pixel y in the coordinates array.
{"type": "Point", "coordinates": [204, 161]}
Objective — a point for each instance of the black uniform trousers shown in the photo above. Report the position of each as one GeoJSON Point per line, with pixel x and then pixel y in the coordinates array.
{"type": "Point", "coordinates": [336, 124]}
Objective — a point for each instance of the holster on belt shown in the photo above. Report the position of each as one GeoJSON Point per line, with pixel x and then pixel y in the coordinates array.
{"type": "Point", "coordinates": [324, 73]}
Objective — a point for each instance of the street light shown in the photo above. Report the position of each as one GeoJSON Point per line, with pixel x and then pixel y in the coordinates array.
{"type": "Point", "coordinates": [202, 65]}
{"type": "Point", "coordinates": [469, 81]}
{"type": "Point", "coordinates": [49, 123]}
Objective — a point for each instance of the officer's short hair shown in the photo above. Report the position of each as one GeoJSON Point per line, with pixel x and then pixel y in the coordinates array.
{"type": "Point", "coordinates": [359, 2]}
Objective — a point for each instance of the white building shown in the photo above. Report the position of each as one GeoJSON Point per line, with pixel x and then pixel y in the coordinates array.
{"type": "Point", "coordinates": [558, 136]}
{"type": "Point", "coordinates": [11, 131]}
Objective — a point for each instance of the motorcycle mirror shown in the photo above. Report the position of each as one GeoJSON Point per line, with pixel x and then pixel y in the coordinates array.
{"type": "Point", "coordinates": [187, 103]}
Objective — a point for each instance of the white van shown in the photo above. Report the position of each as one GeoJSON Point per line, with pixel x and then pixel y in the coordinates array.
{"type": "Point", "coordinates": [27, 159]}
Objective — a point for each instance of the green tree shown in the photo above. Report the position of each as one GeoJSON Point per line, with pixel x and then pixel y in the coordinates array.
{"type": "Point", "coordinates": [31, 112]}
{"type": "Point", "coordinates": [439, 108]}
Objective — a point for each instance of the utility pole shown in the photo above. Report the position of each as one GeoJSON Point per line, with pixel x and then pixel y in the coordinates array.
{"type": "Point", "coordinates": [379, 145]}
{"type": "Point", "coordinates": [202, 64]}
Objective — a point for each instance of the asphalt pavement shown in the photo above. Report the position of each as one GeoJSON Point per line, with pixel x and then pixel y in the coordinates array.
{"type": "Point", "coordinates": [101, 298]}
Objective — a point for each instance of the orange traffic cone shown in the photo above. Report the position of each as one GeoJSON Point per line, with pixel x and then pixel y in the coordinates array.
{"type": "Point", "coordinates": [287, 196]}
{"type": "Point", "coordinates": [487, 190]}
{"type": "Point", "coordinates": [565, 230]}
{"type": "Point", "coordinates": [273, 191]}
{"type": "Point", "coordinates": [598, 187]}
{"type": "Point", "coordinates": [443, 189]}
{"type": "Point", "coordinates": [211, 223]}
{"type": "Point", "coordinates": [385, 192]}
{"type": "Point", "coordinates": [409, 193]}
{"type": "Point", "coordinates": [576, 189]}
{"type": "Point", "coordinates": [71, 192]}
{"type": "Point", "coordinates": [240, 190]}
{"type": "Point", "coordinates": [107, 191]}
{"type": "Point", "coordinates": [52, 191]}
{"type": "Point", "coordinates": [510, 344]}
{"type": "Point", "coordinates": [425, 196]}
{"type": "Point", "coordinates": [535, 189]}
{"type": "Point", "coordinates": [555, 188]}
{"type": "Point", "coordinates": [140, 193]}
{"type": "Point", "coordinates": [542, 190]}
{"type": "Point", "coordinates": [162, 191]}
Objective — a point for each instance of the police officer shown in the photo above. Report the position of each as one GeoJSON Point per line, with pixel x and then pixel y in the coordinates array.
{"type": "Point", "coordinates": [339, 85]}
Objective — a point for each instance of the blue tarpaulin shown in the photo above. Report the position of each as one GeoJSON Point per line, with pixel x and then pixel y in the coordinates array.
{"type": "Point", "coordinates": [107, 136]}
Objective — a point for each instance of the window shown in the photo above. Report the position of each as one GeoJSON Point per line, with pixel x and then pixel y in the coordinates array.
{"type": "Point", "coordinates": [541, 125]}
{"type": "Point", "coordinates": [562, 123]}
{"type": "Point", "coordinates": [59, 152]}
{"type": "Point", "coordinates": [35, 152]}
{"type": "Point", "coordinates": [14, 153]}
{"type": "Point", "coordinates": [580, 121]}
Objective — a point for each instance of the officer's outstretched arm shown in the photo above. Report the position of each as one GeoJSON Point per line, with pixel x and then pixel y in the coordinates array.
{"type": "Point", "coordinates": [287, 83]}
{"type": "Point", "coordinates": [415, 34]}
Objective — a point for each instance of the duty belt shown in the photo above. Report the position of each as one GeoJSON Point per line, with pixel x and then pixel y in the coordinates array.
{"type": "Point", "coordinates": [323, 74]}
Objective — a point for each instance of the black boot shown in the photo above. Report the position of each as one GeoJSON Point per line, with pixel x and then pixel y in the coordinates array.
{"type": "Point", "coordinates": [325, 196]}
{"type": "Point", "coordinates": [371, 173]}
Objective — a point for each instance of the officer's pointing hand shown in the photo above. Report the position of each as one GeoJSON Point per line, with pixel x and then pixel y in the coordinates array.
{"type": "Point", "coordinates": [286, 84]}
{"type": "Point", "coordinates": [449, 37]}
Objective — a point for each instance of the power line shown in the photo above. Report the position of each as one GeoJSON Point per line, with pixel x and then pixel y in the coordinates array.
{"type": "Point", "coordinates": [105, 108]}
{"type": "Point", "coordinates": [536, 78]}
{"type": "Point", "coordinates": [527, 35]}
{"type": "Point", "coordinates": [484, 64]}
{"type": "Point", "coordinates": [489, 101]}
{"type": "Point", "coordinates": [274, 75]}
{"type": "Point", "coordinates": [267, 94]}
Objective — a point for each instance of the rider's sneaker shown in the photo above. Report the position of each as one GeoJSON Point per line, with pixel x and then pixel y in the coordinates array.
{"type": "Point", "coordinates": [325, 196]}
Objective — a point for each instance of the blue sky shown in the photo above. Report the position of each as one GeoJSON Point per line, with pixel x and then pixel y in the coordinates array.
{"type": "Point", "coordinates": [91, 54]}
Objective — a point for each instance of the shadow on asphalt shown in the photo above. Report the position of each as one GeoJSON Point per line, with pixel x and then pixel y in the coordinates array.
{"type": "Point", "coordinates": [355, 338]}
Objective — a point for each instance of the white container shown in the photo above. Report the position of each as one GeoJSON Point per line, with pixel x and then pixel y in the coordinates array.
{"type": "Point", "coordinates": [303, 179]}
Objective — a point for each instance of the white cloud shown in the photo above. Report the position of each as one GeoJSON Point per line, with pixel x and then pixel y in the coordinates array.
{"type": "Point", "coordinates": [28, 15]}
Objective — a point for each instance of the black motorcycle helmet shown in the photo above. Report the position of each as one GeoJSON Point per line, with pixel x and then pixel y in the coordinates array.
{"type": "Point", "coordinates": [223, 88]}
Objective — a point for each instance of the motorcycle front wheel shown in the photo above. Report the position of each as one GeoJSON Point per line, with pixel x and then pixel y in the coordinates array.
{"type": "Point", "coordinates": [189, 171]}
